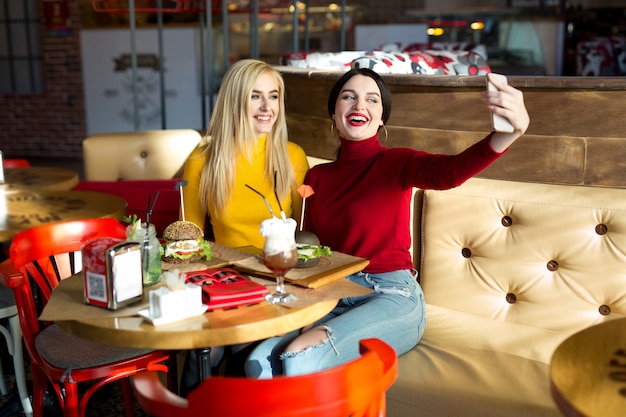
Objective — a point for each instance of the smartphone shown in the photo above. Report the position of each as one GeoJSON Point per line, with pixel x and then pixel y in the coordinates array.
{"type": "Point", "coordinates": [499, 123]}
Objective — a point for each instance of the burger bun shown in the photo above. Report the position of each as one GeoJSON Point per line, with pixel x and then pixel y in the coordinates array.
{"type": "Point", "coordinates": [182, 230]}
{"type": "Point", "coordinates": [183, 236]}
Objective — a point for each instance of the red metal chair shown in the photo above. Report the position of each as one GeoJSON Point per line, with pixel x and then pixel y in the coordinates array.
{"type": "Point", "coordinates": [39, 258]}
{"type": "Point", "coordinates": [354, 389]}
{"type": "Point", "coordinates": [15, 163]}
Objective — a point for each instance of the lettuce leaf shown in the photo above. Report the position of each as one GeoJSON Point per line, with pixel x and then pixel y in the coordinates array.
{"type": "Point", "coordinates": [204, 245]}
{"type": "Point", "coordinates": [306, 252]}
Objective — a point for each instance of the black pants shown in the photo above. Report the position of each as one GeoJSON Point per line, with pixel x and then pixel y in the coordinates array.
{"type": "Point", "coordinates": [225, 361]}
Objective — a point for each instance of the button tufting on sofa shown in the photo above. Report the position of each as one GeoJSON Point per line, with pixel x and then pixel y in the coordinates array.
{"type": "Point", "coordinates": [466, 252]}
{"type": "Point", "coordinates": [493, 323]}
{"type": "Point", "coordinates": [604, 310]}
{"type": "Point", "coordinates": [601, 229]}
{"type": "Point", "coordinates": [507, 221]}
{"type": "Point", "coordinates": [553, 265]}
{"type": "Point", "coordinates": [140, 155]}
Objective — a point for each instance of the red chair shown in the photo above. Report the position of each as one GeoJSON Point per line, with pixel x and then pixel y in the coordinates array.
{"type": "Point", "coordinates": [39, 258]}
{"type": "Point", "coordinates": [15, 163]}
{"type": "Point", "coordinates": [354, 389]}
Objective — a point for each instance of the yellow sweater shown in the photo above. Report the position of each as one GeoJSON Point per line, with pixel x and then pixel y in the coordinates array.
{"type": "Point", "coordinates": [239, 224]}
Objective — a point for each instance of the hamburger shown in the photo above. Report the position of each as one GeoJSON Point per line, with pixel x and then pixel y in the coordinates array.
{"type": "Point", "coordinates": [184, 243]}
{"type": "Point", "coordinates": [309, 249]}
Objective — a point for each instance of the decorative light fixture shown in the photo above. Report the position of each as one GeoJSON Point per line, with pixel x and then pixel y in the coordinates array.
{"type": "Point", "coordinates": [478, 25]}
{"type": "Point", "coordinates": [435, 31]}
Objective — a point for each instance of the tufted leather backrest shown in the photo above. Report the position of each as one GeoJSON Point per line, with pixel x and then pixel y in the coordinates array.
{"type": "Point", "coordinates": [141, 155]}
{"type": "Point", "coordinates": [547, 256]}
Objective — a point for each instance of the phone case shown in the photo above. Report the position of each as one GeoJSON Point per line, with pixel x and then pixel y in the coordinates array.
{"type": "Point", "coordinates": [226, 288]}
{"type": "Point", "coordinates": [499, 123]}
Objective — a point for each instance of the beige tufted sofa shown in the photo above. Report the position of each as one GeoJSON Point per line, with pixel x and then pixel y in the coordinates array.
{"type": "Point", "coordinates": [140, 155]}
{"type": "Point", "coordinates": [509, 270]}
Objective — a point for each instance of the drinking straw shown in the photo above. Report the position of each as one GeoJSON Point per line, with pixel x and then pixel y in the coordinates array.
{"type": "Point", "coordinates": [264, 199]}
{"type": "Point", "coordinates": [150, 208]}
{"type": "Point", "coordinates": [282, 213]}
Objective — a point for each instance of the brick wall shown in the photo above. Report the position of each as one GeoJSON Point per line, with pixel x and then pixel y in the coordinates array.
{"type": "Point", "coordinates": [51, 123]}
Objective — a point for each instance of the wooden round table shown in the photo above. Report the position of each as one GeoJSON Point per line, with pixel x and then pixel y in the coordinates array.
{"type": "Point", "coordinates": [214, 328]}
{"type": "Point", "coordinates": [40, 178]}
{"type": "Point", "coordinates": [22, 209]}
{"type": "Point", "coordinates": [588, 372]}
{"type": "Point", "coordinates": [244, 324]}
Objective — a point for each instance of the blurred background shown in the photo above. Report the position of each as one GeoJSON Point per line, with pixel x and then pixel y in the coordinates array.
{"type": "Point", "coordinates": [70, 68]}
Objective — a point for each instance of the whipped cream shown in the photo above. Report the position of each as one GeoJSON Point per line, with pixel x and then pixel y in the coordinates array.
{"type": "Point", "coordinates": [279, 235]}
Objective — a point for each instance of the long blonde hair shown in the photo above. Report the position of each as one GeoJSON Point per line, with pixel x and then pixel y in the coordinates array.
{"type": "Point", "coordinates": [230, 134]}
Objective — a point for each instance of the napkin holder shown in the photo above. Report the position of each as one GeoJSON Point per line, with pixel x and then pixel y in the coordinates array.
{"type": "Point", "coordinates": [112, 273]}
{"type": "Point", "coordinates": [167, 303]}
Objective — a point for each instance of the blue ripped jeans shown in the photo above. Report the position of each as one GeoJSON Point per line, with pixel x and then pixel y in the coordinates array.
{"type": "Point", "coordinates": [394, 312]}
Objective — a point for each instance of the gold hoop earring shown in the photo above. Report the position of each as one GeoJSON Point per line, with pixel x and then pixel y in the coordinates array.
{"type": "Point", "coordinates": [386, 134]}
{"type": "Point", "coordinates": [333, 129]}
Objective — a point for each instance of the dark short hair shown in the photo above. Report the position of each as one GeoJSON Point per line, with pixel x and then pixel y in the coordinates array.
{"type": "Point", "coordinates": [385, 94]}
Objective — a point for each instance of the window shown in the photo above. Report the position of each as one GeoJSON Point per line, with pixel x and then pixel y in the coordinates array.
{"type": "Point", "coordinates": [21, 69]}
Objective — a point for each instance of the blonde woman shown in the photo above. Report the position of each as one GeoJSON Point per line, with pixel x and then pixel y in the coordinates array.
{"type": "Point", "coordinates": [246, 145]}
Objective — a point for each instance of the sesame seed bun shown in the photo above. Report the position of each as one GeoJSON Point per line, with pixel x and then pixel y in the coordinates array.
{"type": "Point", "coordinates": [182, 230]}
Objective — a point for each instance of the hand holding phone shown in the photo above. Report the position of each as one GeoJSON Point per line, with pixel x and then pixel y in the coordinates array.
{"type": "Point", "coordinates": [499, 123]}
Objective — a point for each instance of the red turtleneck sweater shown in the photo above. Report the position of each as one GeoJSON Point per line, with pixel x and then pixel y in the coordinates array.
{"type": "Point", "coordinates": [361, 204]}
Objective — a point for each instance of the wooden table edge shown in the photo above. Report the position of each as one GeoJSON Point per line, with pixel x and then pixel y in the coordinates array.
{"type": "Point", "coordinates": [562, 403]}
{"type": "Point", "coordinates": [151, 337]}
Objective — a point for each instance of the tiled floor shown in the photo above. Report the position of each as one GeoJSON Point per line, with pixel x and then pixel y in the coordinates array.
{"type": "Point", "coordinates": [106, 402]}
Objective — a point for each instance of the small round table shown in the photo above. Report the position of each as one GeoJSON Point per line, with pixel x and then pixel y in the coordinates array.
{"type": "Point", "coordinates": [39, 178]}
{"type": "Point", "coordinates": [214, 328]}
{"type": "Point", "coordinates": [22, 209]}
{"type": "Point", "coordinates": [588, 372]}
{"type": "Point", "coordinates": [243, 324]}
